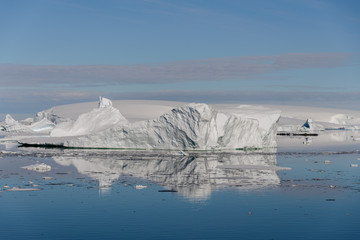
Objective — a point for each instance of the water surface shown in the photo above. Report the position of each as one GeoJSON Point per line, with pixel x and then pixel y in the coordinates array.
{"type": "Point", "coordinates": [168, 195]}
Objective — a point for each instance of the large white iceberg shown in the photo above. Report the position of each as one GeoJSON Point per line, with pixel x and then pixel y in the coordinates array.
{"type": "Point", "coordinates": [194, 126]}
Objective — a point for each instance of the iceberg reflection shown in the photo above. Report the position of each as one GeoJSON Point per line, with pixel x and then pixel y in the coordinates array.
{"type": "Point", "coordinates": [194, 175]}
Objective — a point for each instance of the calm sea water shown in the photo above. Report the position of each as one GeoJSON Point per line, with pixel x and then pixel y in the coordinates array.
{"type": "Point", "coordinates": [168, 195]}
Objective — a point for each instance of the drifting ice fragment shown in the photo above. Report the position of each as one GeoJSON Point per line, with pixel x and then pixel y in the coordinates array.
{"type": "Point", "coordinates": [42, 167]}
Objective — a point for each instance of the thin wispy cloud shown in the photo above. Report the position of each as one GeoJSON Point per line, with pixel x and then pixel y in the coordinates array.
{"type": "Point", "coordinates": [38, 100]}
{"type": "Point", "coordinates": [303, 87]}
{"type": "Point", "coordinates": [216, 69]}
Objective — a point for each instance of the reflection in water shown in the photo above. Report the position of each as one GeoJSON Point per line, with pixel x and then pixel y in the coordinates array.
{"type": "Point", "coordinates": [325, 141]}
{"type": "Point", "coordinates": [307, 140]}
{"type": "Point", "coordinates": [194, 176]}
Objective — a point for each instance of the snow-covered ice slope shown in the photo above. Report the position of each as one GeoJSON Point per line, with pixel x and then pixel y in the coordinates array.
{"type": "Point", "coordinates": [193, 126]}
{"type": "Point", "coordinates": [133, 110]}
{"type": "Point", "coordinates": [104, 117]}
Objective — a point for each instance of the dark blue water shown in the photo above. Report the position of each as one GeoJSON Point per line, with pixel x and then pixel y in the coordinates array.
{"type": "Point", "coordinates": [95, 196]}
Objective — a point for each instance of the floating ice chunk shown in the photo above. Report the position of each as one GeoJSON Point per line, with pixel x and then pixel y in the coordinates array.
{"type": "Point", "coordinates": [13, 126]}
{"type": "Point", "coordinates": [40, 125]}
{"type": "Point", "coordinates": [140, 187]}
{"type": "Point", "coordinates": [19, 189]}
{"type": "Point", "coordinates": [193, 126]}
{"type": "Point", "coordinates": [42, 167]}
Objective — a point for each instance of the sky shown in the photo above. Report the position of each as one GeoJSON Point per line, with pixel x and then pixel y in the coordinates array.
{"type": "Point", "coordinates": [289, 52]}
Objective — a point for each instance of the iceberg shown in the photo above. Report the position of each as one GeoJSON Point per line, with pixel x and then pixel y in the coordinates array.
{"type": "Point", "coordinates": [40, 125]}
{"type": "Point", "coordinates": [42, 167]}
{"type": "Point", "coordinates": [191, 127]}
{"type": "Point", "coordinates": [195, 126]}
{"type": "Point", "coordinates": [311, 126]}
{"type": "Point", "coordinates": [99, 119]}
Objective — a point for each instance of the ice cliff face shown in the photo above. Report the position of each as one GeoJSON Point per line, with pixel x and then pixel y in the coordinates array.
{"type": "Point", "coordinates": [104, 117]}
{"type": "Point", "coordinates": [194, 126]}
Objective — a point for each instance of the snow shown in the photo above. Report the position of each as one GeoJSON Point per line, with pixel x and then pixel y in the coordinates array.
{"type": "Point", "coordinates": [104, 117]}
{"type": "Point", "coordinates": [193, 126]}
{"type": "Point", "coordinates": [13, 126]}
{"type": "Point", "coordinates": [40, 125]}
{"type": "Point", "coordinates": [41, 167]}
{"type": "Point", "coordinates": [133, 110]}
{"type": "Point", "coordinates": [174, 125]}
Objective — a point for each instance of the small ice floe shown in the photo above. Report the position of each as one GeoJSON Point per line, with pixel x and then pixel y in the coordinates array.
{"type": "Point", "coordinates": [332, 186]}
{"type": "Point", "coordinates": [354, 165]}
{"type": "Point", "coordinates": [42, 167]}
{"type": "Point", "coordinates": [47, 178]}
{"type": "Point", "coordinates": [315, 170]}
{"type": "Point", "coordinates": [7, 152]}
{"type": "Point", "coordinates": [327, 161]}
{"type": "Point", "coordinates": [140, 186]}
{"type": "Point", "coordinates": [19, 189]}
{"type": "Point", "coordinates": [255, 167]}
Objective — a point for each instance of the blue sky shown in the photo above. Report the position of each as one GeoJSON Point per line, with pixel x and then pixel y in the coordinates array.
{"type": "Point", "coordinates": [302, 52]}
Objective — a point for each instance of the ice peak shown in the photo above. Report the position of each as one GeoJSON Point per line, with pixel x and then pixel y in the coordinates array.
{"type": "Point", "coordinates": [9, 119]}
{"type": "Point", "coordinates": [308, 123]}
{"type": "Point", "coordinates": [104, 102]}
